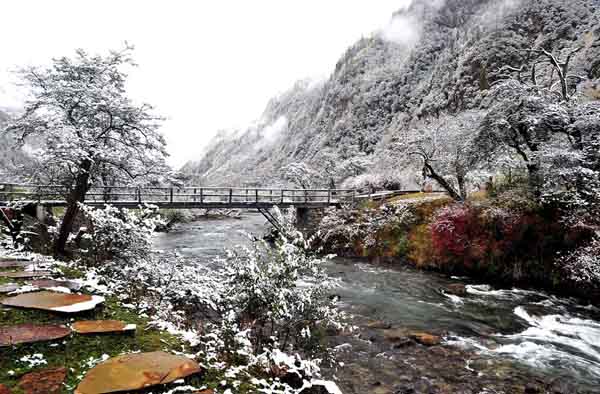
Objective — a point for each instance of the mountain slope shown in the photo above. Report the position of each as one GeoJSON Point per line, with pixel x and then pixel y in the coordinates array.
{"type": "Point", "coordinates": [442, 60]}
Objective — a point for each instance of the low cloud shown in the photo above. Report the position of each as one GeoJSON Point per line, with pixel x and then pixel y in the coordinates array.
{"type": "Point", "coordinates": [271, 131]}
{"type": "Point", "coordinates": [403, 29]}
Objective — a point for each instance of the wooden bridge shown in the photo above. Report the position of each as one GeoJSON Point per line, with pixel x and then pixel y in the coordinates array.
{"type": "Point", "coordinates": [42, 197]}
{"type": "Point", "coordinates": [192, 197]}
{"type": "Point", "coordinates": [182, 197]}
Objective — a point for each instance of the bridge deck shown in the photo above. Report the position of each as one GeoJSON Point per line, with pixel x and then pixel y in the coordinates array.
{"type": "Point", "coordinates": [193, 197]}
{"type": "Point", "coordinates": [181, 197]}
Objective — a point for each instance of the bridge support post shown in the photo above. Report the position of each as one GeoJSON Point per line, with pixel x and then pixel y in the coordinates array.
{"type": "Point", "coordinates": [41, 213]}
{"type": "Point", "coordinates": [308, 219]}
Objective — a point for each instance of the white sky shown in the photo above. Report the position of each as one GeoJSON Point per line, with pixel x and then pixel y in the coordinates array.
{"type": "Point", "coordinates": [205, 65]}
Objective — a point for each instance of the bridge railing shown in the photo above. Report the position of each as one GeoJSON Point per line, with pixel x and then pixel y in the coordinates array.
{"type": "Point", "coordinates": [195, 195]}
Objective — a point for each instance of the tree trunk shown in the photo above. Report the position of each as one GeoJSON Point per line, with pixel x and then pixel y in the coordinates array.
{"type": "Point", "coordinates": [442, 182]}
{"type": "Point", "coordinates": [462, 187]}
{"type": "Point", "coordinates": [76, 196]}
{"type": "Point", "coordinates": [534, 179]}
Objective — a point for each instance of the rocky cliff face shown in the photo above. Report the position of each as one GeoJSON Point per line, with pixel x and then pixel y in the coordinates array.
{"type": "Point", "coordinates": [436, 57]}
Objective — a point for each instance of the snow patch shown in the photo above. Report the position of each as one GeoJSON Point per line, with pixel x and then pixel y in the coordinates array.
{"type": "Point", "coordinates": [80, 306]}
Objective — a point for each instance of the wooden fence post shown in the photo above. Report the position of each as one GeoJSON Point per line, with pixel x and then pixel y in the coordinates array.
{"type": "Point", "coordinates": [256, 191]}
{"type": "Point", "coordinates": [329, 196]}
{"type": "Point", "coordinates": [282, 195]}
{"type": "Point", "coordinates": [230, 195]}
{"type": "Point", "coordinates": [171, 195]}
{"type": "Point", "coordinates": [201, 195]}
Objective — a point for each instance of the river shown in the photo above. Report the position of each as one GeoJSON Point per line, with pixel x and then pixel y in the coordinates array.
{"type": "Point", "coordinates": [495, 340]}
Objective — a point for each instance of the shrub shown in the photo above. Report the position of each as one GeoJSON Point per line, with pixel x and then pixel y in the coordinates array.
{"type": "Point", "coordinates": [366, 231]}
{"type": "Point", "coordinates": [275, 302]}
{"type": "Point", "coordinates": [120, 234]}
{"type": "Point", "coordinates": [582, 265]}
{"type": "Point", "coordinates": [420, 247]}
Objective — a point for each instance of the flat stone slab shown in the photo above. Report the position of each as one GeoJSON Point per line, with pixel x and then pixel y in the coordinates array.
{"type": "Point", "coordinates": [50, 283]}
{"type": "Point", "coordinates": [101, 326]}
{"type": "Point", "coordinates": [26, 333]}
{"type": "Point", "coordinates": [47, 381]}
{"type": "Point", "coordinates": [136, 371]}
{"type": "Point", "coordinates": [55, 302]}
{"type": "Point", "coordinates": [26, 274]}
{"type": "Point", "coordinates": [15, 263]}
{"type": "Point", "coordinates": [9, 287]}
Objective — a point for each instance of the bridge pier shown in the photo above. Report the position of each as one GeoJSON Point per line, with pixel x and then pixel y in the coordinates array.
{"type": "Point", "coordinates": [308, 219]}
{"type": "Point", "coordinates": [41, 213]}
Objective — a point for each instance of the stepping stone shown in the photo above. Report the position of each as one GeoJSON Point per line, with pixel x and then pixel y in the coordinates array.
{"type": "Point", "coordinates": [9, 287]}
{"type": "Point", "coordinates": [55, 302]}
{"type": "Point", "coordinates": [101, 326]}
{"type": "Point", "coordinates": [15, 263]}
{"type": "Point", "coordinates": [136, 371]}
{"type": "Point", "coordinates": [47, 381]}
{"type": "Point", "coordinates": [26, 333]}
{"type": "Point", "coordinates": [50, 283]}
{"type": "Point", "coordinates": [26, 274]}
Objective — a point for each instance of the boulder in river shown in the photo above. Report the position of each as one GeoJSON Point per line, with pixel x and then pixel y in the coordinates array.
{"type": "Point", "coordinates": [426, 339]}
{"type": "Point", "coordinates": [395, 334]}
{"type": "Point", "coordinates": [379, 324]}
{"type": "Point", "coordinates": [457, 289]}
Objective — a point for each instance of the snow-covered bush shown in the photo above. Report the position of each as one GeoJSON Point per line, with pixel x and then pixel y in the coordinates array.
{"type": "Point", "coordinates": [120, 234]}
{"type": "Point", "coordinates": [276, 306]}
{"type": "Point", "coordinates": [583, 264]}
{"type": "Point", "coordinates": [364, 230]}
{"type": "Point", "coordinates": [377, 181]}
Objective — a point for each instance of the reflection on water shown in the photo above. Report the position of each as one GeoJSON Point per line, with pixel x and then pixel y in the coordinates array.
{"type": "Point", "coordinates": [548, 333]}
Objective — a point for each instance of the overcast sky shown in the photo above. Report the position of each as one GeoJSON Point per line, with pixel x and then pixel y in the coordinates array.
{"type": "Point", "coordinates": [206, 65]}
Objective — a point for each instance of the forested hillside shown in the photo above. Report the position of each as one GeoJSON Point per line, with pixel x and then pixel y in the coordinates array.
{"type": "Point", "coordinates": [436, 64]}
{"type": "Point", "coordinates": [11, 156]}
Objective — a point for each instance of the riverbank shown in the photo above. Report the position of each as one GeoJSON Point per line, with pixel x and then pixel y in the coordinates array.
{"type": "Point", "coordinates": [504, 241]}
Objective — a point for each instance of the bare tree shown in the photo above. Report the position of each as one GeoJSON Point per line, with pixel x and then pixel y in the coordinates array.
{"type": "Point", "coordinates": [443, 148]}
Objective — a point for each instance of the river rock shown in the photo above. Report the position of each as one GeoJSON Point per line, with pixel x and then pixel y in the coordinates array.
{"type": "Point", "coordinates": [457, 289]}
{"type": "Point", "coordinates": [426, 339]}
{"type": "Point", "coordinates": [395, 334]}
{"type": "Point", "coordinates": [379, 324]}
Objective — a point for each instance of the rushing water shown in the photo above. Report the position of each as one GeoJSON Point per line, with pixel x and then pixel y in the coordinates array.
{"type": "Point", "coordinates": [553, 336]}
